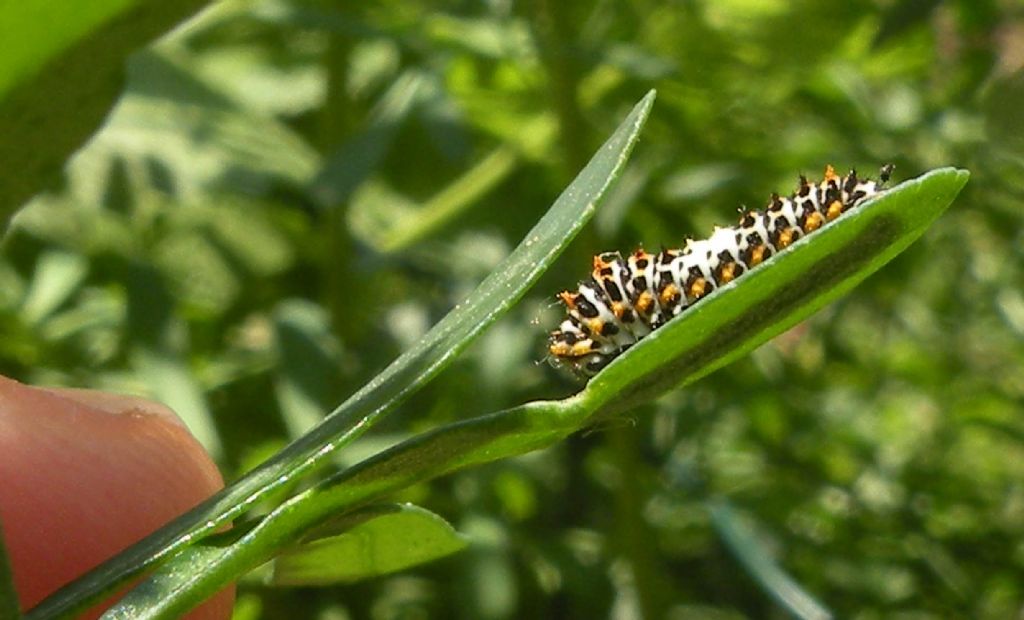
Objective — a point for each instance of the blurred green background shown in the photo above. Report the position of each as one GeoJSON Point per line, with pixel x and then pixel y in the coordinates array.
{"type": "Point", "coordinates": [290, 192]}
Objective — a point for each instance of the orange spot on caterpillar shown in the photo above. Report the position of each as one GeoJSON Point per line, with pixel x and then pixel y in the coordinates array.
{"type": "Point", "coordinates": [757, 255]}
{"type": "Point", "coordinates": [697, 288]}
{"type": "Point", "coordinates": [786, 237]}
{"type": "Point", "coordinates": [559, 349]}
{"type": "Point", "coordinates": [813, 222]}
{"type": "Point", "coordinates": [669, 294]}
{"type": "Point", "coordinates": [727, 273]}
{"type": "Point", "coordinates": [644, 302]}
{"type": "Point", "coordinates": [834, 210]}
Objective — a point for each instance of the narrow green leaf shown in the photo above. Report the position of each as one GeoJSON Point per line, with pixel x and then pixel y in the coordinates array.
{"type": "Point", "coordinates": [412, 370]}
{"type": "Point", "coordinates": [60, 71]}
{"type": "Point", "coordinates": [368, 543]}
{"type": "Point", "coordinates": [761, 566]}
{"type": "Point", "coordinates": [742, 315]}
{"type": "Point", "coordinates": [198, 572]}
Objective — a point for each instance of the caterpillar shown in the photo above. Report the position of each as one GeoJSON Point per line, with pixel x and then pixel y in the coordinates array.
{"type": "Point", "coordinates": [625, 299]}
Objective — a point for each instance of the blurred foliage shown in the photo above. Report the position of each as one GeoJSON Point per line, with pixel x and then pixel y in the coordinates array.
{"type": "Point", "coordinates": [59, 74]}
{"type": "Point", "coordinates": [290, 192]}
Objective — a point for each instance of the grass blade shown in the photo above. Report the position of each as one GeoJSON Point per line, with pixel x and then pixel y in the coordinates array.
{"type": "Point", "coordinates": [752, 554]}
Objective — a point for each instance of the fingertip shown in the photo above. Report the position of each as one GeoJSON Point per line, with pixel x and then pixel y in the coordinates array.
{"type": "Point", "coordinates": [85, 474]}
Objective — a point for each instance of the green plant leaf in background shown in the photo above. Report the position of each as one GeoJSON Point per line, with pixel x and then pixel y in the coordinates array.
{"type": "Point", "coordinates": [56, 60]}
{"type": "Point", "coordinates": [857, 245]}
{"type": "Point", "coordinates": [367, 543]}
{"type": "Point", "coordinates": [171, 594]}
{"type": "Point", "coordinates": [741, 534]}
{"type": "Point", "coordinates": [59, 273]}
{"type": "Point", "coordinates": [741, 539]}
{"type": "Point", "coordinates": [307, 347]}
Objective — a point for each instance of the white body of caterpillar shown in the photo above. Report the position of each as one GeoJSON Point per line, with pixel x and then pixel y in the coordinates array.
{"type": "Point", "coordinates": [626, 299]}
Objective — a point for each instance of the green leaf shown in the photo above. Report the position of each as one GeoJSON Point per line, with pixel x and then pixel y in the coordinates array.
{"type": "Point", "coordinates": [752, 553]}
{"type": "Point", "coordinates": [58, 275]}
{"type": "Point", "coordinates": [200, 571]}
{"type": "Point", "coordinates": [740, 316]}
{"type": "Point", "coordinates": [60, 71]}
{"type": "Point", "coordinates": [436, 350]}
{"type": "Point", "coordinates": [351, 163]}
{"type": "Point", "coordinates": [368, 543]}
{"type": "Point", "coordinates": [308, 363]}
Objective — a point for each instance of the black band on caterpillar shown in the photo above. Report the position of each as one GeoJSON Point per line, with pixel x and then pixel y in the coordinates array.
{"type": "Point", "coordinates": [626, 299]}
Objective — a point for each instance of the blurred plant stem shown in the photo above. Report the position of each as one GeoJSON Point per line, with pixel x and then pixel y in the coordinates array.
{"type": "Point", "coordinates": [459, 196]}
{"type": "Point", "coordinates": [555, 41]}
{"type": "Point", "coordinates": [634, 538]}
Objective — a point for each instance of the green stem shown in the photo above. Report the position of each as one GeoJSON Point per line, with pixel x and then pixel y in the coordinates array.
{"type": "Point", "coordinates": [632, 531]}
{"type": "Point", "coordinates": [454, 200]}
{"type": "Point", "coordinates": [556, 41]}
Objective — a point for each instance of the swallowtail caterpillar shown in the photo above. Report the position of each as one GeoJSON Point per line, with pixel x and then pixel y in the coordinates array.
{"type": "Point", "coordinates": [625, 299]}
